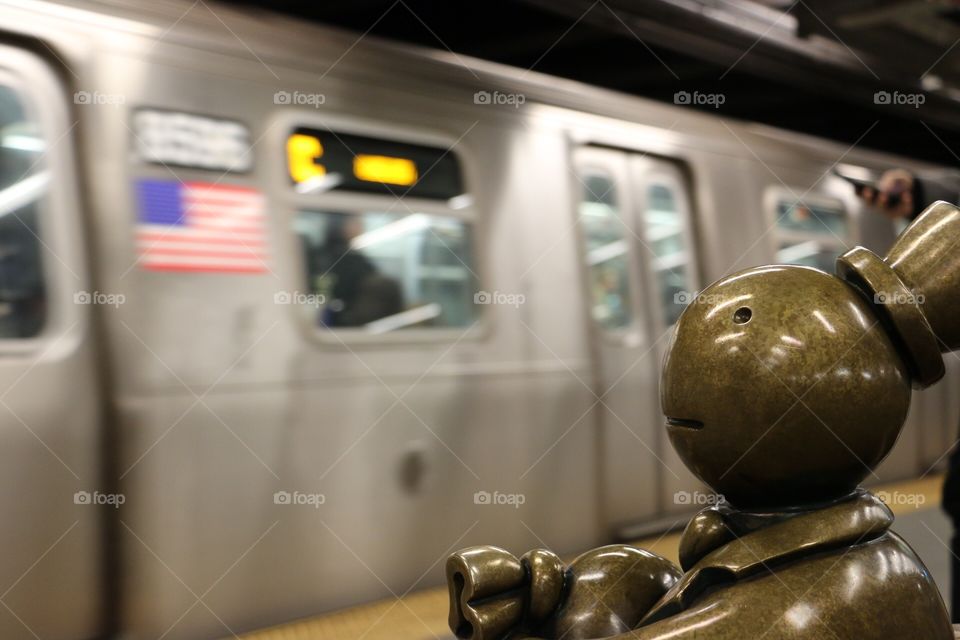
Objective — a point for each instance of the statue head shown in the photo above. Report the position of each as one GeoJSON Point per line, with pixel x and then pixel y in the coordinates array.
{"type": "Point", "coordinates": [786, 386]}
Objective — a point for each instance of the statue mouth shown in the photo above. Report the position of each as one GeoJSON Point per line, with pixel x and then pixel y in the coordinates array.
{"type": "Point", "coordinates": [684, 423]}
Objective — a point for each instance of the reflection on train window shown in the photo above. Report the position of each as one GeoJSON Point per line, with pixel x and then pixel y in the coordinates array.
{"type": "Point", "coordinates": [666, 238]}
{"type": "Point", "coordinates": [607, 255]}
{"type": "Point", "coordinates": [826, 218]}
{"type": "Point", "coordinates": [810, 254]}
{"type": "Point", "coordinates": [385, 271]}
{"type": "Point", "coordinates": [23, 183]}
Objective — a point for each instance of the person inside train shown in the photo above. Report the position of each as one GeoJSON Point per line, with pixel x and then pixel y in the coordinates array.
{"type": "Point", "coordinates": [902, 195]}
{"type": "Point", "coordinates": [356, 291]}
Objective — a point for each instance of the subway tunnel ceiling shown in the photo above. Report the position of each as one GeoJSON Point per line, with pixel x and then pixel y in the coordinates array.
{"type": "Point", "coordinates": [814, 66]}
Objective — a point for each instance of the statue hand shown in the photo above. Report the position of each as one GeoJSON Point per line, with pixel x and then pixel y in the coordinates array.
{"type": "Point", "coordinates": [493, 593]}
{"type": "Point", "coordinates": [603, 592]}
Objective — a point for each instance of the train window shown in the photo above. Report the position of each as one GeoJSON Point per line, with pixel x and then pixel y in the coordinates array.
{"type": "Point", "coordinates": [23, 184]}
{"type": "Point", "coordinates": [383, 272]}
{"type": "Point", "coordinates": [827, 218]}
{"type": "Point", "coordinates": [666, 238]}
{"type": "Point", "coordinates": [811, 233]}
{"type": "Point", "coordinates": [607, 254]}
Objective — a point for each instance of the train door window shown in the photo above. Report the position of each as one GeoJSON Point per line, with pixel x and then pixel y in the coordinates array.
{"type": "Point", "coordinates": [664, 221]}
{"type": "Point", "coordinates": [812, 232]}
{"type": "Point", "coordinates": [384, 272]}
{"type": "Point", "coordinates": [607, 253]}
{"type": "Point", "coordinates": [23, 185]}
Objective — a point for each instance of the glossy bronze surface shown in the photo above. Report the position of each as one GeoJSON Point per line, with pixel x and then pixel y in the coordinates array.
{"type": "Point", "coordinates": [606, 591]}
{"type": "Point", "coordinates": [783, 387]}
{"type": "Point", "coordinates": [834, 571]}
{"type": "Point", "coordinates": [897, 307]}
{"type": "Point", "coordinates": [811, 372]}
{"type": "Point", "coordinates": [860, 519]}
{"type": "Point", "coordinates": [914, 289]}
{"type": "Point", "coordinates": [481, 582]}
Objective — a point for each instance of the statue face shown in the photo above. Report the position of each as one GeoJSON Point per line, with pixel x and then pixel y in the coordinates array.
{"type": "Point", "coordinates": [781, 387]}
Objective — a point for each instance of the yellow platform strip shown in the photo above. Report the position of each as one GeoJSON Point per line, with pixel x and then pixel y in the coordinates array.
{"type": "Point", "coordinates": [422, 615]}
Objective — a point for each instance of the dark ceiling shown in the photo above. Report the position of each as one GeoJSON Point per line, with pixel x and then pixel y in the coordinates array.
{"type": "Point", "coordinates": [809, 65]}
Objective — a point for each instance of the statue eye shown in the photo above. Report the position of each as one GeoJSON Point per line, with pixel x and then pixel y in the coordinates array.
{"type": "Point", "coordinates": [742, 315]}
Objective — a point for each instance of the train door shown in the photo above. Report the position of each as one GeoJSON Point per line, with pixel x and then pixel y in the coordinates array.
{"type": "Point", "coordinates": [635, 285]}
{"type": "Point", "coordinates": [667, 250]}
{"type": "Point", "coordinates": [51, 500]}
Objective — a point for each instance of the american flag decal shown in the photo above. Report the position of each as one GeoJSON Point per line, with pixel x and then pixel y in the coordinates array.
{"type": "Point", "coordinates": [200, 226]}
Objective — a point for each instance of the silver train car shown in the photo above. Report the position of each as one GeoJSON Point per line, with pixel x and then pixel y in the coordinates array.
{"type": "Point", "coordinates": [204, 433]}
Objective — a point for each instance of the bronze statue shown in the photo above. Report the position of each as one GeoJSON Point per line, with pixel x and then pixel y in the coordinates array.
{"type": "Point", "coordinates": [783, 388]}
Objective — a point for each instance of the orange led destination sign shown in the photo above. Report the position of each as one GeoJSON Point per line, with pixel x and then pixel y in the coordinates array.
{"type": "Point", "coordinates": [399, 171]}
{"type": "Point", "coordinates": [347, 162]}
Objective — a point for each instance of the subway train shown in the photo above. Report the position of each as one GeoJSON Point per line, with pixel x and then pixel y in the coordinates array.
{"type": "Point", "coordinates": [290, 313]}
